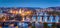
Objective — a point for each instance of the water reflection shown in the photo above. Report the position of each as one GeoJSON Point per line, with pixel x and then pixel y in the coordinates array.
{"type": "Point", "coordinates": [34, 18]}
{"type": "Point", "coordinates": [39, 19]}
{"type": "Point", "coordinates": [22, 25]}
{"type": "Point", "coordinates": [51, 18]}
{"type": "Point", "coordinates": [57, 19]}
{"type": "Point", "coordinates": [45, 19]}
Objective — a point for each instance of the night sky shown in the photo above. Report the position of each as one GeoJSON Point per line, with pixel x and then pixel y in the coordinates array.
{"type": "Point", "coordinates": [29, 3]}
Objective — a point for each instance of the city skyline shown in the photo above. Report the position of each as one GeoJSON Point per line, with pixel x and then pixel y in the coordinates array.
{"type": "Point", "coordinates": [29, 3]}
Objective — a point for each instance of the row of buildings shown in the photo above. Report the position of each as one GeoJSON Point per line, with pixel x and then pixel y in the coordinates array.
{"type": "Point", "coordinates": [28, 15]}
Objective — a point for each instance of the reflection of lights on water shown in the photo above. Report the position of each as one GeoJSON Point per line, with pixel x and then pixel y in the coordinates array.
{"type": "Point", "coordinates": [25, 25]}
{"type": "Point", "coordinates": [33, 18]}
{"type": "Point", "coordinates": [20, 24]}
{"type": "Point", "coordinates": [51, 18]}
{"type": "Point", "coordinates": [57, 19]}
{"type": "Point", "coordinates": [45, 18]}
{"type": "Point", "coordinates": [49, 24]}
{"type": "Point", "coordinates": [40, 19]}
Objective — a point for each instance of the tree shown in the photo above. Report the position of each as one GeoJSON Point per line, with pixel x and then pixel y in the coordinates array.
{"type": "Point", "coordinates": [53, 13]}
{"type": "Point", "coordinates": [33, 26]}
{"type": "Point", "coordinates": [58, 25]}
{"type": "Point", "coordinates": [45, 25]}
{"type": "Point", "coordinates": [53, 25]}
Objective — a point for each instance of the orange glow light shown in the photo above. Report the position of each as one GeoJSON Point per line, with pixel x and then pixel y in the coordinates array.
{"type": "Point", "coordinates": [20, 11]}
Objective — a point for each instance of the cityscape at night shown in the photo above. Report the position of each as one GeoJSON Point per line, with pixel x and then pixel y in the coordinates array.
{"type": "Point", "coordinates": [29, 13]}
{"type": "Point", "coordinates": [30, 16]}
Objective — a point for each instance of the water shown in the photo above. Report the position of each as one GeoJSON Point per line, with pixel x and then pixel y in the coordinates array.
{"type": "Point", "coordinates": [5, 27]}
{"type": "Point", "coordinates": [25, 25]}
